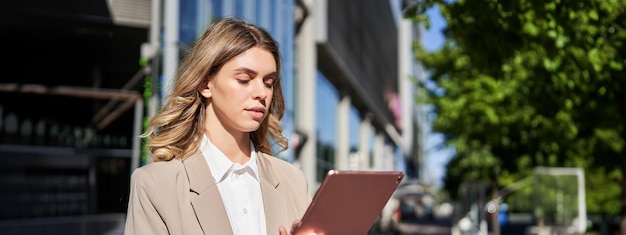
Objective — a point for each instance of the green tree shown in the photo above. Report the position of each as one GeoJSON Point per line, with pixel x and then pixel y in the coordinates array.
{"type": "Point", "coordinates": [526, 83]}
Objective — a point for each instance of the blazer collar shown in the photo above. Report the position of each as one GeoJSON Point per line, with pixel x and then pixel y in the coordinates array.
{"type": "Point", "coordinates": [265, 170]}
{"type": "Point", "coordinates": [205, 196]}
{"type": "Point", "coordinates": [200, 177]}
{"type": "Point", "coordinates": [274, 201]}
{"type": "Point", "coordinates": [209, 207]}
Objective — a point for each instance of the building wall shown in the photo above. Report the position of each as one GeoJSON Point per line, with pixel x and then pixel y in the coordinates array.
{"type": "Point", "coordinates": [357, 52]}
{"type": "Point", "coordinates": [66, 142]}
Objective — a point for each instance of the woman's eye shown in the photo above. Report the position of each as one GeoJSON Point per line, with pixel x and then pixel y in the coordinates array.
{"type": "Point", "coordinates": [243, 81]}
{"type": "Point", "coordinates": [269, 83]}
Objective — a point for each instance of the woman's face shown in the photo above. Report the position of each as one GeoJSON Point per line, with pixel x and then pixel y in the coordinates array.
{"type": "Point", "coordinates": [241, 92]}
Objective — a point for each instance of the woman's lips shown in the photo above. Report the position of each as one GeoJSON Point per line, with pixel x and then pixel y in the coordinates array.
{"type": "Point", "coordinates": [256, 113]}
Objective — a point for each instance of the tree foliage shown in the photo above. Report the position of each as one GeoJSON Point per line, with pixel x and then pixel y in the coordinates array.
{"type": "Point", "coordinates": [526, 83]}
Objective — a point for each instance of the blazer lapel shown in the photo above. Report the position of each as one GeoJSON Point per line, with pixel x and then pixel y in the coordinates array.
{"type": "Point", "coordinates": [205, 196]}
{"type": "Point", "coordinates": [273, 200]}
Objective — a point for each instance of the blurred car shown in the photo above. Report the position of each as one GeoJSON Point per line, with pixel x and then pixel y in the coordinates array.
{"type": "Point", "coordinates": [408, 203]}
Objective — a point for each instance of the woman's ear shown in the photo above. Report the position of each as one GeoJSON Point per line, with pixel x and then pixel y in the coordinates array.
{"type": "Point", "coordinates": [205, 90]}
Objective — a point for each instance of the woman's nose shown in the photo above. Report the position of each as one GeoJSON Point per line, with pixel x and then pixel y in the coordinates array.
{"type": "Point", "coordinates": [260, 89]}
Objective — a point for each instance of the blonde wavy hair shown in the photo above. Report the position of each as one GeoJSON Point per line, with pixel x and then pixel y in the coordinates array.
{"type": "Point", "coordinates": [176, 131]}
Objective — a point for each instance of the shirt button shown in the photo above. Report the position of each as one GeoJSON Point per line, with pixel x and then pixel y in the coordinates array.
{"type": "Point", "coordinates": [245, 210]}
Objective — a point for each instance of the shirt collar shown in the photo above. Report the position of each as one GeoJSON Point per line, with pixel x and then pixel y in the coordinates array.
{"type": "Point", "coordinates": [221, 165]}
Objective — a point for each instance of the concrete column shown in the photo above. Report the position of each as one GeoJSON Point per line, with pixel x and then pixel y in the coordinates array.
{"type": "Point", "coordinates": [389, 158]}
{"type": "Point", "coordinates": [306, 85]}
{"type": "Point", "coordinates": [406, 86]}
{"type": "Point", "coordinates": [135, 160]}
{"type": "Point", "coordinates": [365, 131]}
{"type": "Point", "coordinates": [342, 146]}
{"type": "Point", "coordinates": [379, 150]}
{"type": "Point", "coordinates": [170, 45]}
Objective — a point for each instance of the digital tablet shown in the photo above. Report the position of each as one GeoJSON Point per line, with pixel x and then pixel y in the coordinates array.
{"type": "Point", "coordinates": [348, 202]}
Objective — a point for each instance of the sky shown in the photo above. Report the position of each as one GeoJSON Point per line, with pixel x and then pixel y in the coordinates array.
{"type": "Point", "coordinates": [433, 37]}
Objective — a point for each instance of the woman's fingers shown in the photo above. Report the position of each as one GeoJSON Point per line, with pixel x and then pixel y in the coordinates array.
{"type": "Point", "coordinates": [282, 230]}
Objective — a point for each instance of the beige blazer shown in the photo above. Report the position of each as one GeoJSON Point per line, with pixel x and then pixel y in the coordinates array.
{"type": "Point", "coordinates": [181, 197]}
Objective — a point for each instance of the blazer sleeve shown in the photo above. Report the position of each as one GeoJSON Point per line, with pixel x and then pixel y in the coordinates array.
{"type": "Point", "coordinates": [143, 216]}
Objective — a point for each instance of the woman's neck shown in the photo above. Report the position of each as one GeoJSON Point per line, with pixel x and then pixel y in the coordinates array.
{"type": "Point", "coordinates": [236, 148]}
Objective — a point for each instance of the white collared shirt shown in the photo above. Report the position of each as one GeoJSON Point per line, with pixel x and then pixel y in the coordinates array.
{"type": "Point", "coordinates": [240, 189]}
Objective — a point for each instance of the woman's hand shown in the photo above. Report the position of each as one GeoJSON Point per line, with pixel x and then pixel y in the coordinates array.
{"type": "Point", "coordinates": [283, 231]}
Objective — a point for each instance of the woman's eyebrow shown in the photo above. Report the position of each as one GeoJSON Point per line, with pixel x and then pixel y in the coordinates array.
{"type": "Point", "coordinates": [247, 71]}
{"type": "Point", "coordinates": [254, 73]}
{"type": "Point", "coordinates": [272, 75]}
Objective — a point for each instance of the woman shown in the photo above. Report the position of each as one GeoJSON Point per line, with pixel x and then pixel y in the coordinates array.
{"type": "Point", "coordinates": [212, 171]}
